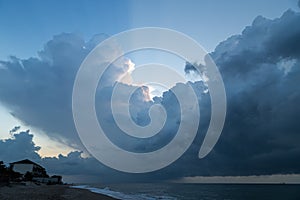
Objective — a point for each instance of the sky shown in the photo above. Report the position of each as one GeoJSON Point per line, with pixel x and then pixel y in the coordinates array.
{"type": "Point", "coordinates": [29, 25]}
{"type": "Point", "coordinates": [255, 44]}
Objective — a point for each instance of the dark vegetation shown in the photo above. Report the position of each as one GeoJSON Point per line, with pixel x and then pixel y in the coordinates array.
{"type": "Point", "coordinates": [7, 176]}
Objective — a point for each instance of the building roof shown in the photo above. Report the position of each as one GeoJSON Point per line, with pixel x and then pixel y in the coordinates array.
{"type": "Point", "coordinates": [26, 161]}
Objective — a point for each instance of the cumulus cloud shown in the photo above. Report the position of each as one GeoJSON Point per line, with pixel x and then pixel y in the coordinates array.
{"type": "Point", "coordinates": [189, 67]}
{"type": "Point", "coordinates": [18, 147]}
{"type": "Point", "coordinates": [260, 69]}
{"type": "Point", "coordinates": [196, 72]}
{"type": "Point", "coordinates": [38, 91]}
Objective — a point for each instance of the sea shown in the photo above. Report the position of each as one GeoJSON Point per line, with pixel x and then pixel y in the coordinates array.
{"type": "Point", "coordinates": [185, 191]}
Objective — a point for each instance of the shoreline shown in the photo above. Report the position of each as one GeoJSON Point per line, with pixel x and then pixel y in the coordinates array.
{"type": "Point", "coordinates": [48, 192]}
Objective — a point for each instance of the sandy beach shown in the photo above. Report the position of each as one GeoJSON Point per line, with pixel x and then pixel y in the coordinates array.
{"type": "Point", "coordinates": [45, 192]}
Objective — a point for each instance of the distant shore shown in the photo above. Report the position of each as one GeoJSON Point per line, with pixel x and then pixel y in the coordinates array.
{"type": "Point", "coordinates": [48, 192]}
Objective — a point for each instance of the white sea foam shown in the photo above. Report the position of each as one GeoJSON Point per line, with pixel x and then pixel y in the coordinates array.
{"type": "Point", "coordinates": [119, 195]}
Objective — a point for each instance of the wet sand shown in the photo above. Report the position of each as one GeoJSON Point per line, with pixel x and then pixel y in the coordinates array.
{"type": "Point", "coordinates": [45, 192]}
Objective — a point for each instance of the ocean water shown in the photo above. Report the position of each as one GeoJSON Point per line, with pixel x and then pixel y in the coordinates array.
{"type": "Point", "coordinates": [178, 191]}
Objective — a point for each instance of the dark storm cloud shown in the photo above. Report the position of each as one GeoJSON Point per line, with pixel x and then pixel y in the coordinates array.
{"type": "Point", "coordinates": [38, 91]}
{"type": "Point", "coordinates": [261, 73]}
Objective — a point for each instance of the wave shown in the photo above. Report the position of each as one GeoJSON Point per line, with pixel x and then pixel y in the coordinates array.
{"type": "Point", "coordinates": [119, 195]}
